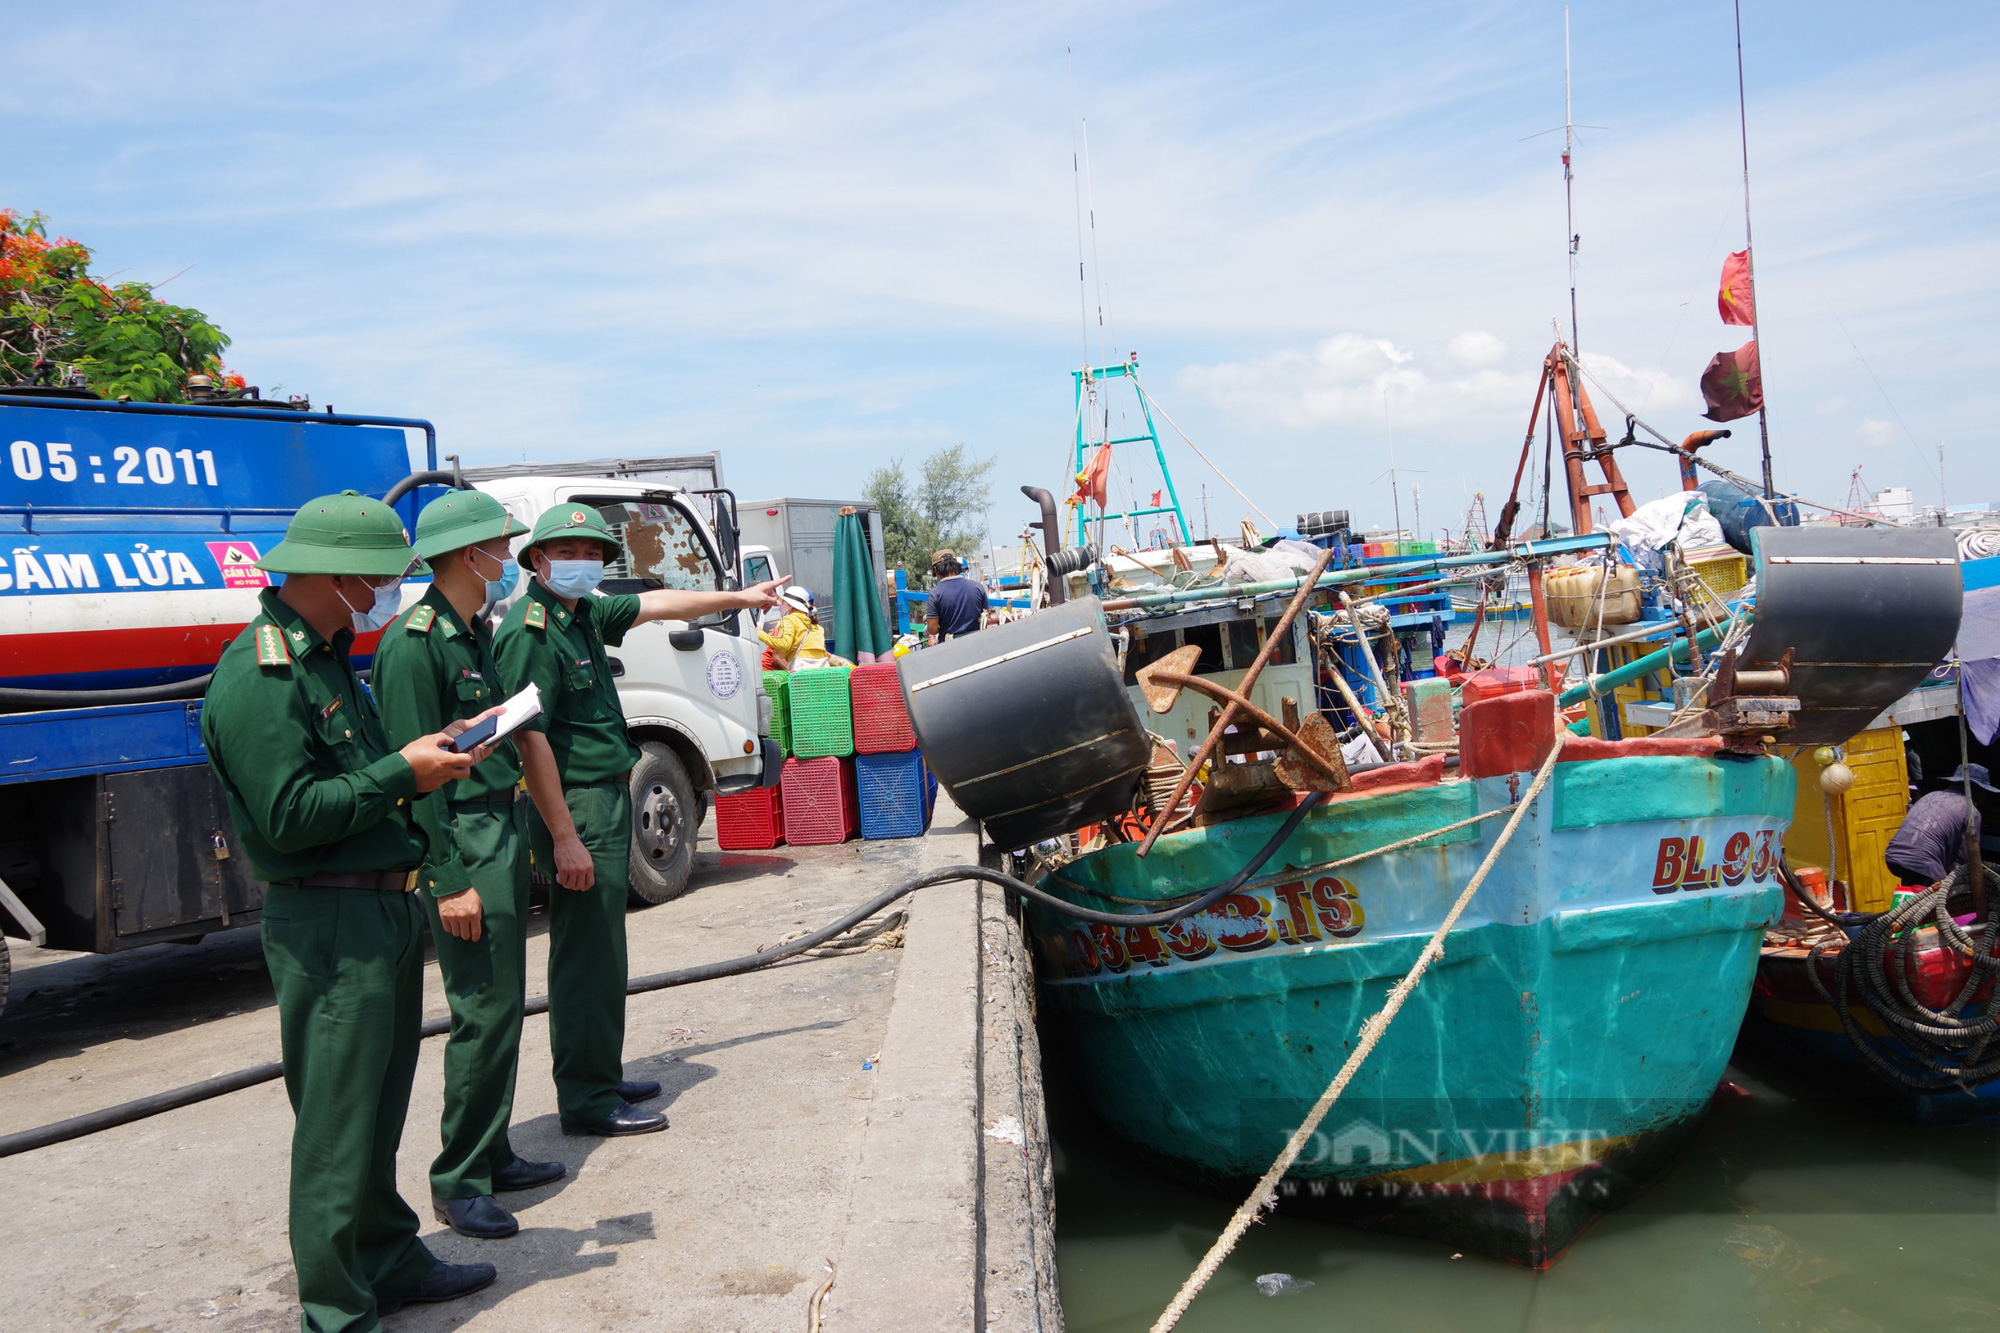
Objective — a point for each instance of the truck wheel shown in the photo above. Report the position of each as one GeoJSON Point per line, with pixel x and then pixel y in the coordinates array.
{"type": "Point", "coordinates": [665, 819]}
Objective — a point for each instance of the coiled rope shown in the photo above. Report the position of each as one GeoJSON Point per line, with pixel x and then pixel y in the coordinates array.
{"type": "Point", "coordinates": [1265, 1194]}
{"type": "Point", "coordinates": [1953, 1046]}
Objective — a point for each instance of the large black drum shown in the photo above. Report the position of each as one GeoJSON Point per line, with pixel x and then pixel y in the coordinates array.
{"type": "Point", "coordinates": [1028, 725]}
{"type": "Point", "coordinates": [1866, 612]}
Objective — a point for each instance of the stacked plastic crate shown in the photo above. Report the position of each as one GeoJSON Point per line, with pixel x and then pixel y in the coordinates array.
{"type": "Point", "coordinates": [894, 785]}
{"type": "Point", "coordinates": [755, 820]}
{"type": "Point", "coordinates": [819, 779]}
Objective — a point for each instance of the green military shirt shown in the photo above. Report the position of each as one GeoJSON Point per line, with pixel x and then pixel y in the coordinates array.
{"type": "Point", "coordinates": [562, 653]}
{"type": "Point", "coordinates": [430, 669]}
{"type": "Point", "coordinates": [313, 784]}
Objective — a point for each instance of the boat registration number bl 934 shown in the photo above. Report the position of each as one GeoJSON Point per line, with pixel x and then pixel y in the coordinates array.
{"type": "Point", "coordinates": [1682, 863]}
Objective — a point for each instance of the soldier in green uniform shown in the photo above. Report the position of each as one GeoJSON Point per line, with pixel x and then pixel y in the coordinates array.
{"type": "Point", "coordinates": [554, 638]}
{"type": "Point", "coordinates": [436, 665]}
{"type": "Point", "coordinates": [322, 806]}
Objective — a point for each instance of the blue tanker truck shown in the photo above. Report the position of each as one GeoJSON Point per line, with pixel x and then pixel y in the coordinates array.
{"type": "Point", "coordinates": [129, 536]}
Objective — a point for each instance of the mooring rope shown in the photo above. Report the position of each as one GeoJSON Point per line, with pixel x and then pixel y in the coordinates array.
{"type": "Point", "coordinates": [1265, 1193]}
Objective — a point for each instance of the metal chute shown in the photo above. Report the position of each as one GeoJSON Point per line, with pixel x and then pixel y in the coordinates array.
{"type": "Point", "coordinates": [1867, 613]}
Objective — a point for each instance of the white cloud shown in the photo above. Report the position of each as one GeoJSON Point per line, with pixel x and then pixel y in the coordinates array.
{"type": "Point", "coordinates": [1477, 349]}
{"type": "Point", "coordinates": [790, 231]}
{"type": "Point", "coordinates": [1875, 433]}
{"type": "Point", "coordinates": [1351, 379]}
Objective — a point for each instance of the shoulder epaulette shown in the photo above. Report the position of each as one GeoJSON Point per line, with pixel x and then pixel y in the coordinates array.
{"type": "Point", "coordinates": [537, 617]}
{"type": "Point", "coordinates": [271, 650]}
{"type": "Point", "coordinates": [421, 620]}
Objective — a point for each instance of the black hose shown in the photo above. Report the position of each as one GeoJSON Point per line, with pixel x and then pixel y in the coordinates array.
{"type": "Point", "coordinates": [138, 694]}
{"type": "Point", "coordinates": [1845, 922]}
{"type": "Point", "coordinates": [453, 478]}
{"type": "Point", "coordinates": [125, 1113]}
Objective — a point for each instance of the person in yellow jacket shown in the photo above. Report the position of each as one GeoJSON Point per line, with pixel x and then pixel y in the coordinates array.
{"type": "Point", "coordinates": [797, 641]}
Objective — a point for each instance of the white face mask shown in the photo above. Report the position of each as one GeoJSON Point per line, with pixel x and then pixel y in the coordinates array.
{"type": "Point", "coordinates": [573, 578]}
{"type": "Point", "coordinates": [388, 601]}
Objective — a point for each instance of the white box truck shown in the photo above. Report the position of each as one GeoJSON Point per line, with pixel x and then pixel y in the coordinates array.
{"type": "Point", "coordinates": [798, 535]}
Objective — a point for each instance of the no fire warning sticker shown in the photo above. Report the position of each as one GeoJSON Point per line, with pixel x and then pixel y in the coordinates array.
{"type": "Point", "coordinates": [238, 562]}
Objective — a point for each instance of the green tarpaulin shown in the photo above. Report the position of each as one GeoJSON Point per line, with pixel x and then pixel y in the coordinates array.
{"type": "Point", "coordinates": [861, 630]}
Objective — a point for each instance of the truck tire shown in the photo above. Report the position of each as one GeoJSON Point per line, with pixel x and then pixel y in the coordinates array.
{"type": "Point", "coordinates": [6, 971]}
{"type": "Point", "coordinates": [665, 820]}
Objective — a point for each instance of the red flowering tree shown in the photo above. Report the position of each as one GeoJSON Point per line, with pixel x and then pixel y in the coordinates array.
{"type": "Point", "coordinates": [57, 320]}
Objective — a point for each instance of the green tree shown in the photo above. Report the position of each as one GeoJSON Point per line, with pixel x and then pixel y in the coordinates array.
{"type": "Point", "coordinates": [945, 507]}
{"type": "Point", "coordinates": [56, 318]}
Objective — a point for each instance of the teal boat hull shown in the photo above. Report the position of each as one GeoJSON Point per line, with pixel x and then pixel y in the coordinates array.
{"type": "Point", "coordinates": [1546, 1068]}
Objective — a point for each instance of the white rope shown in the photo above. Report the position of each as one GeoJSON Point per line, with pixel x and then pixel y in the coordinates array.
{"type": "Point", "coordinates": [1265, 1194]}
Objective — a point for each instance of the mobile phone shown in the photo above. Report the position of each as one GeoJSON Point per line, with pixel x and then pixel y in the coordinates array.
{"type": "Point", "coordinates": [474, 736]}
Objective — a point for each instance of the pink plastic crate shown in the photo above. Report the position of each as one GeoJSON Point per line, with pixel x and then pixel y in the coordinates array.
{"type": "Point", "coordinates": [881, 722]}
{"type": "Point", "coordinates": [751, 820]}
{"type": "Point", "coordinates": [820, 804]}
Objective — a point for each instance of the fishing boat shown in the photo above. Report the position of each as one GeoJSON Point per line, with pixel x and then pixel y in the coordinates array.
{"type": "Point", "coordinates": [1589, 999]}
{"type": "Point", "coordinates": [1563, 1050]}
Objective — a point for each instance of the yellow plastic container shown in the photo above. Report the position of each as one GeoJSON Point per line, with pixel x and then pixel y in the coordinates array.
{"type": "Point", "coordinates": [1574, 594]}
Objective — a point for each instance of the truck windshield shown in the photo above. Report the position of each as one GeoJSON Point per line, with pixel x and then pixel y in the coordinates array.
{"type": "Point", "coordinates": [659, 547]}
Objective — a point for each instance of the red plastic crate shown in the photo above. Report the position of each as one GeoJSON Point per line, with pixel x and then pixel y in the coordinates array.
{"type": "Point", "coordinates": [881, 722]}
{"type": "Point", "coordinates": [751, 820]}
{"type": "Point", "coordinates": [820, 803]}
{"type": "Point", "coordinates": [1496, 681]}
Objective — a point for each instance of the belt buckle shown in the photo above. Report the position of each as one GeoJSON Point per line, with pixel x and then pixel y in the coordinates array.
{"type": "Point", "coordinates": [410, 881]}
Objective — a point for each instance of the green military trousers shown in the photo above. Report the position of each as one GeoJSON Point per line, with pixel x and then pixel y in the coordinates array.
{"type": "Point", "coordinates": [485, 982]}
{"type": "Point", "coordinates": [348, 968]}
{"type": "Point", "coordinates": [587, 956]}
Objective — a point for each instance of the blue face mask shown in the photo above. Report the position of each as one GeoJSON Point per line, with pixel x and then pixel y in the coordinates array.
{"type": "Point", "coordinates": [573, 578]}
{"type": "Point", "coordinates": [498, 590]}
{"type": "Point", "coordinates": [388, 601]}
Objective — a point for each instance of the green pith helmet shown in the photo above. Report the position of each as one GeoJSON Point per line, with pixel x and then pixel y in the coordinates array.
{"type": "Point", "coordinates": [346, 533]}
{"type": "Point", "coordinates": [570, 519]}
{"type": "Point", "coordinates": [462, 518]}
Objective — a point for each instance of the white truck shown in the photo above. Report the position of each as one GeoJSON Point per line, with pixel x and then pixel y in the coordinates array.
{"type": "Point", "coordinates": [796, 537]}
{"type": "Point", "coordinates": [693, 695]}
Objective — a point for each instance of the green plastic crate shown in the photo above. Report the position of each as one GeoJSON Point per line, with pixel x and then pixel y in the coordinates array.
{"type": "Point", "coordinates": [822, 713]}
{"type": "Point", "coordinates": [776, 685]}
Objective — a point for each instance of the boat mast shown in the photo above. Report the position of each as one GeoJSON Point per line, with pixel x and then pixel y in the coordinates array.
{"type": "Point", "coordinates": [1569, 193]}
{"type": "Point", "coordinates": [1750, 258]}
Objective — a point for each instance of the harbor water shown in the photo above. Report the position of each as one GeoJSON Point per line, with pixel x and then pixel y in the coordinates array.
{"type": "Point", "coordinates": [1790, 1210]}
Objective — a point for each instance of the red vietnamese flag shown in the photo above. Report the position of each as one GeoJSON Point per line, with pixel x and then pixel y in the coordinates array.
{"type": "Point", "coordinates": [1733, 384]}
{"type": "Point", "coordinates": [1736, 300]}
{"type": "Point", "coordinates": [1091, 482]}
{"type": "Point", "coordinates": [1156, 498]}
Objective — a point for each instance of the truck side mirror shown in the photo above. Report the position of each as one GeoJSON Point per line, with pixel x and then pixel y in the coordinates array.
{"type": "Point", "coordinates": [686, 640]}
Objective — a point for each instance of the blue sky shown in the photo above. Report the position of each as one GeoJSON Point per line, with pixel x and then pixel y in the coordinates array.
{"type": "Point", "coordinates": [818, 236]}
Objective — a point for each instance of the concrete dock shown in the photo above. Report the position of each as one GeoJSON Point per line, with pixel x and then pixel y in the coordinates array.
{"type": "Point", "coordinates": [873, 1117]}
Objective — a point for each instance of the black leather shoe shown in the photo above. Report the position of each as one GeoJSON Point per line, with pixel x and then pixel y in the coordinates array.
{"type": "Point", "coordinates": [627, 1119]}
{"type": "Point", "coordinates": [446, 1282]}
{"type": "Point", "coordinates": [521, 1174]}
{"type": "Point", "coordinates": [643, 1090]}
{"type": "Point", "coordinates": [480, 1218]}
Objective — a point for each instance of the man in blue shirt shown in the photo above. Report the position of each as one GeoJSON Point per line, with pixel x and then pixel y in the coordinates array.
{"type": "Point", "coordinates": [1931, 842]}
{"type": "Point", "coordinates": [958, 605]}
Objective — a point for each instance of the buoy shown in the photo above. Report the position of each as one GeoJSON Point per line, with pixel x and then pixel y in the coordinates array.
{"type": "Point", "coordinates": [1825, 755]}
{"type": "Point", "coordinates": [1836, 778]}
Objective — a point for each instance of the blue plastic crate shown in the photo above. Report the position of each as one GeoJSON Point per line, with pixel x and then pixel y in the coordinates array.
{"type": "Point", "coordinates": [897, 792]}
